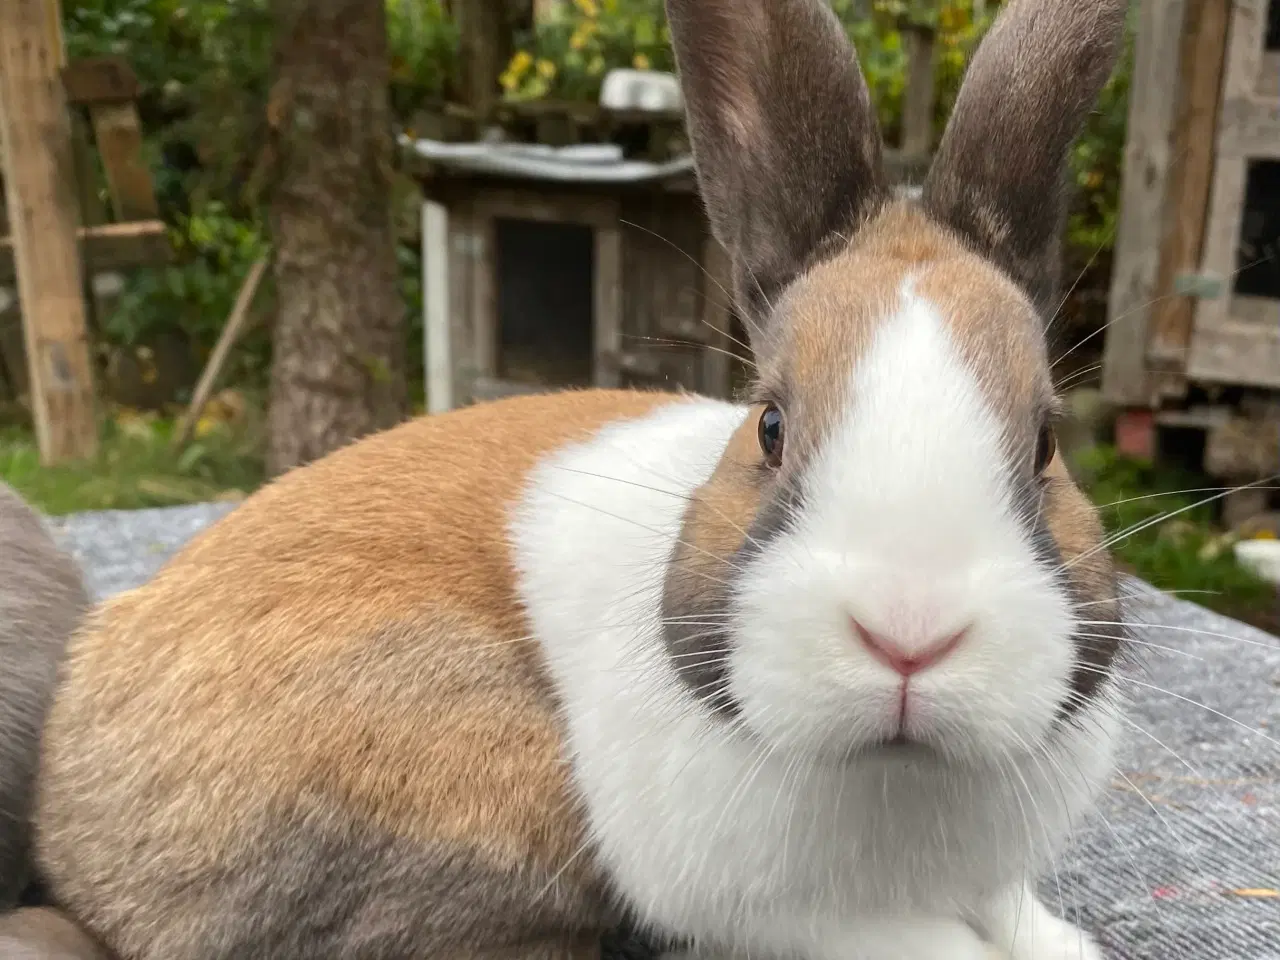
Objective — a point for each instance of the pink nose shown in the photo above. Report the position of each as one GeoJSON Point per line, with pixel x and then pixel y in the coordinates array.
{"type": "Point", "coordinates": [902, 662]}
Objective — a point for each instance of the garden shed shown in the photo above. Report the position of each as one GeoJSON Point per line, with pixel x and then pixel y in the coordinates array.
{"type": "Point", "coordinates": [1193, 349]}
{"type": "Point", "coordinates": [568, 266]}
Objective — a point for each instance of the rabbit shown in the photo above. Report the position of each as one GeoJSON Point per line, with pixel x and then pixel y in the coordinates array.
{"type": "Point", "coordinates": [42, 598]}
{"type": "Point", "coordinates": [801, 675]}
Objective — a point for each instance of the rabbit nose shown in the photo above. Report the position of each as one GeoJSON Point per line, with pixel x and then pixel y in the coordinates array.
{"type": "Point", "coordinates": [899, 660]}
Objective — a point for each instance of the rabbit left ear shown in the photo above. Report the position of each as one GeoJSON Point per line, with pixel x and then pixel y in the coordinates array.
{"type": "Point", "coordinates": [999, 176]}
{"type": "Point", "coordinates": [784, 134]}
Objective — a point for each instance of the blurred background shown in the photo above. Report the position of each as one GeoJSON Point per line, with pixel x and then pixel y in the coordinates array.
{"type": "Point", "coordinates": [240, 233]}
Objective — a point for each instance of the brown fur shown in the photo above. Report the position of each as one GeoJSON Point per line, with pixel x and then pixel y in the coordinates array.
{"type": "Point", "coordinates": [41, 600]}
{"type": "Point", "coordinates": [322, 731]}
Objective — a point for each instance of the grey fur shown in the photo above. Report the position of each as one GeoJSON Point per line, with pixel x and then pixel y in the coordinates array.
{"type": "Point", "coordinates": [42, 599]}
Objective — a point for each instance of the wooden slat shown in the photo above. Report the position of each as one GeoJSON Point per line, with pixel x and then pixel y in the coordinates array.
{"type": "Point", "coordinates": [118, 133]}
{"type": "Point", "coordinates": [41, 197]}
{"type": "Point", "coordinates": [495, 388]}
{"type": "Point", "coordinates": [484, 295]}
{"type": "Point", "coordinates": [1204, 43]}
{"type": "Point", "coordinates": [918, 97]}
{"type": "Point", "coordinates": [1238, 352]}
{"type": "Point", "coordinates": [100, 80]}
{"type": "Point", "coordinates": [462, 266]}
{"type": "Point", "coordinates": [1143, 191]}
{"type": "Point", "coordinates": [607, 329]}
{"type": "Point", "coordinates": [483, 51]}
{"type": "Point", "coordinates": [716, 314]}
{"type": "Point", "coordinates": [438, 361]}
{"type": "Point", "coordinates": [590, 209]}
{"type": "Point", "coordinates": [1220, 339]}
{"type": "Point", "coordinates": [109, 246]}
{"type": "Point", "coordinates": [1251, 126]}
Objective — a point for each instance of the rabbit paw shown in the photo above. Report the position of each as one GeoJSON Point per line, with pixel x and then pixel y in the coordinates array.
{"type": "Point", "coordinates": [1023, 929]}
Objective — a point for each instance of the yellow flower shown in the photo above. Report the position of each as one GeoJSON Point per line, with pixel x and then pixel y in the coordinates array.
{"type": "Point", "coordinates": [640, 61]}
{"type": "Point", "coordinates": [521, 62]}
{"type": "Point", "coordinates": [588, 7]}
{"type": "Point", "coordinates": [509, 80]}
{"type": "Point", "coordinates": [546, 69]}
{"type": "Point", "coordinates": [581, 35]}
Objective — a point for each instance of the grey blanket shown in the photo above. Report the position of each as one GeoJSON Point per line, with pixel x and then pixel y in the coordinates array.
{"type": "Point", "coordinates": [1182, 861]}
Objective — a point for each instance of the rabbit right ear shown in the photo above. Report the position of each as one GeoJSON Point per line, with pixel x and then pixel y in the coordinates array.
{"type": "Point", "coordinates": [999, 175]}
{"type": "Point", "coordinates": [784, 135]}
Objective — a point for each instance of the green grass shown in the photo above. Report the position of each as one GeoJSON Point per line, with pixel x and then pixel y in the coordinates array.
{"type": "Point", "coordinates": [1184, 553]}
{"type": "Point", "coordinates": [137, 467]}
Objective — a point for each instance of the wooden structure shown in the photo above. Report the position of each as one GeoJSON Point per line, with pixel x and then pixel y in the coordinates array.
{"type": "Point", "coordinates": [533, 282]}
{"type": "Point", "coordinates": [53, 229]}
{"type": "Point", "coordinates": [1194, 335]}
{"type": "Point", "coordinates": [530, 285]}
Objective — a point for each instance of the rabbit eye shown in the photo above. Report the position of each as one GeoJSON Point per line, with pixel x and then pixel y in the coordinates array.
{"type": "Point", "coordinates": [771, 434]}
{"type": "Point", "coordinates": [1046, 446]}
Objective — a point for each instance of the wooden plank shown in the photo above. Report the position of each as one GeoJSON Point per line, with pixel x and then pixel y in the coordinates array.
{"type": "Point", "coordinates": [1237, 352]}
{"type": "Point", "coordinates": [510, 203]}
{"type": "Point", "coordinates": [607, 330]}
{"type": "Point", "coordinates": [108, 246]}
{"type": "Point", "coordinates": [460, 227]}
{"type": "Point", "coordinates": [484, 295]}
{"type": "Point", "coordinates": [1248, 41]}
{"type": "Point", "coordinates": [1204, 44]}
{"type": "Point", "coordinates": [1251, 126]}
{"type": "Point", "coordinates": [919, 95]}
{"type": "Point", "coordinates": [1143, 189]}
{"type": "Point", "coordinates": [221, 350]}
{"type": "Point", "coordinates": [40, 187]}
{"type": "Point", "coordinates": [118, 133]}
{"type": "Point", "coordinates": [438, 360]}
{"type": "Point", "coordinates": [495, 388]}
{"type": "Point", "coordinates": [1221, 241]}
{"type": "Point", "coordinates": [716, 314]}
{"type": "Point", "coordinates": [483, 49]}
{"type": "Point", "coordinates": [100, 80]}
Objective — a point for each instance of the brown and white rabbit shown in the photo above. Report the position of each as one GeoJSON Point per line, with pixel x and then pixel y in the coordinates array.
{"type": "Point", "coordinates": [798, 677]}
{"type": "Point", "coordinates": [42, 598]}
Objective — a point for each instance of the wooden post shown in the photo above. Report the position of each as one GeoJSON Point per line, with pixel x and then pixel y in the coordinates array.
{"type": "Point", "coordinates": [40, 187]}
{"type": "Point", "coordinates": [485, 48]}
{"type": "Point", "coordinates": [1204, 46]}
{"type": "Point", "coordinates": [918, 98]}
{"type": "Point", "coordinates": [439, 359]}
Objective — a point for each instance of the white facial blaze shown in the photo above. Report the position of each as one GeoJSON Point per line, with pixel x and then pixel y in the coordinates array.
{"type": "Point", "coordinates": [908, 528]}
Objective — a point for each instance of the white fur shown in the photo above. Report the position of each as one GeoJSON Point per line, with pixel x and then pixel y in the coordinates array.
{"type": "Point", "coordinates": [763, 845]}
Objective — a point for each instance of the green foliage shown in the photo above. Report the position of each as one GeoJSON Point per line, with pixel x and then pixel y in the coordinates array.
{"type": "Point", "coordinates": [136, 467]}
{"type": "Point", "coordinates": [1164, 532]}
{"type": "Point", "coordinates": [424, 52]}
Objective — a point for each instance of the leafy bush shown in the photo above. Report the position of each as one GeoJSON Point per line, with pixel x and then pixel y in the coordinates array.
{"type": "Point", "coordinates": [1163, 530]}
{"type": "Point", "coordinates": [214, 252]}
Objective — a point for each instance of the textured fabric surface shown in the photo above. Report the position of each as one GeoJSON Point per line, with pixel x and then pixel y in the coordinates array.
{"type": "Point", "coordinates": [1178, 861]}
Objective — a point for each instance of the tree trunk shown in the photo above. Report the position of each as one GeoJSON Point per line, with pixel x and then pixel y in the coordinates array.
{"type": "Point", "coordinates": [337, 368]}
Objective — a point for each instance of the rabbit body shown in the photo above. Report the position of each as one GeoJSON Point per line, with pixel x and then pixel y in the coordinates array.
{"type": "Point", "coordinates": [826, 674]}
{"type": "Point", "coordinates": [41, 600]}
